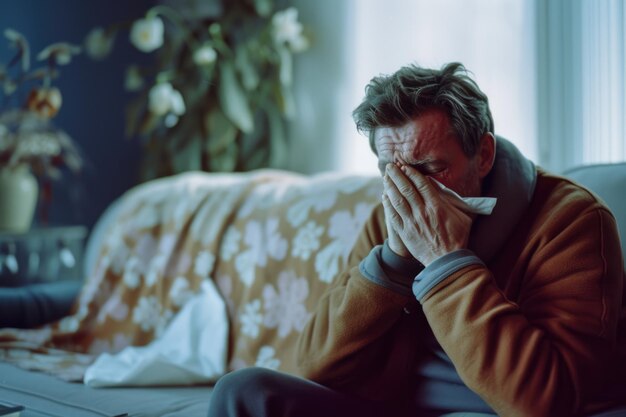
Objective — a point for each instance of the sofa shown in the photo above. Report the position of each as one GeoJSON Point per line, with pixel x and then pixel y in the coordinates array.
{"type": "Point", "coordinates": [270, 243]}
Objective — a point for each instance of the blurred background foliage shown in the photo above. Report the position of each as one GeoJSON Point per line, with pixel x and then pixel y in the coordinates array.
{"type": "Point", "coordinates": [218, 93]}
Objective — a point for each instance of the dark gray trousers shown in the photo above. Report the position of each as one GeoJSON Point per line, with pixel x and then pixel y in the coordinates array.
{"type": "Point", "coordinates": [260, 392]}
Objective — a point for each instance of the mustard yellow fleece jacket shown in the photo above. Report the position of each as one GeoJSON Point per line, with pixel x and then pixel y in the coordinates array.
{"type": "Point", "coordinates": [539, 330]}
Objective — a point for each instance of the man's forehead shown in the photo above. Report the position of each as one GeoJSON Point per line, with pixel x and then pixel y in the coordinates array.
{"type": "Point", "coordinates": [432, 124]}
{"type": "Point", "coordinates": [388, 138]}
{"type": "Point", "coordinates": [396, 134]}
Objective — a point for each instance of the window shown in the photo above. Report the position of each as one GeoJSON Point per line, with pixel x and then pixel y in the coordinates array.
{"type": "Point", "coordinates": [492, 38]}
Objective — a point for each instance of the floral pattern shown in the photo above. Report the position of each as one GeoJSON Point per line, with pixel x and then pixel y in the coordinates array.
{"type": "Point", "coordinates": [272, 241]}
{"type": "Point", "coordinates": [307, 240]}
{"type": "Point", "coordinates": [251, 319]}
{"type": "Point", "coordinates": [284, 309]}
{"type": "Point", "coordinates": [267, 359]}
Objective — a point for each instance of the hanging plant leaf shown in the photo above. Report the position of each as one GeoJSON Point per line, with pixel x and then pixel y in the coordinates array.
{"type": "Point", "coordinates": [225, 161]}
{"type": "Point", "coordinates": [263, 7]}
{"type": "Point", "coordinates": [286, 66]}
{"type": "Point", "coordinates": [248, 72]}
{"type": "Point", "coordinates": [285, 101]}
{"type": "Point", "coordinates": [233, 99]}
{"type": "Point", "coordinates": [258, 159]}
{"type": "Point", "coordinates": [250, 143]}
{"type": "Point", "coordinates": [189, 156]}
{"type": "Point", "coordinates": [221, 133]}
{"type": "Point", "coordinates": [278, 139]}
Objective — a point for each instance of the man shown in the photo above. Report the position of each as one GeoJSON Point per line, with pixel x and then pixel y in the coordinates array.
{"type": "Point", "coordinates": [441, 310]}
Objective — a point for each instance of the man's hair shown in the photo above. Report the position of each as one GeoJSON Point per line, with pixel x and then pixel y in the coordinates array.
{"type": "Point", "coordinates": [394, 100]}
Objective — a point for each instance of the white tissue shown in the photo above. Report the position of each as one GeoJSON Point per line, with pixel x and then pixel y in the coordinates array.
{"type": "Point", "coordinates": [193, 349]}
{"type": "Point", "coordinates": [478, 205]}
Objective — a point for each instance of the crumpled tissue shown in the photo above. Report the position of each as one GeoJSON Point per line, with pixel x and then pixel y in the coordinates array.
{"type": "Point", "coordinates": [192, 349]}
{"type": "Point", "coordinates": [477, 205]}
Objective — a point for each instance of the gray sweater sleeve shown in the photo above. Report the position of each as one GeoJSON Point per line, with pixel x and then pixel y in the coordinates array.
{"type": "Point", "coordinates": [408, 276]}
{"type": "Point", "coordinates": [384, 267]}
{"type": "Point", "coordinates": [441, 269]}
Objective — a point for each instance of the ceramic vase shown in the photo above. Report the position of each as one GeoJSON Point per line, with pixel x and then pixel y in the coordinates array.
{"type": "Point", "coordinates": [18, 198]}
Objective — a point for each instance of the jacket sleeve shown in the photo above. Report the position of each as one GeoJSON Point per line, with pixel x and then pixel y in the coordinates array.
{"type": "Point", "coordinates": [547, 354]}
{"type": "Point", "coordinates": [346, 344]}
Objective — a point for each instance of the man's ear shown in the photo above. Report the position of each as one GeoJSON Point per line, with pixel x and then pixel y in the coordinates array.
{"type": "Point", "coordinates": [486, 154]}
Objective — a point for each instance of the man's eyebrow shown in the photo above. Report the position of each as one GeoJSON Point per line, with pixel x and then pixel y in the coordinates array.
{"type": "Point", "coordinates": [426, 163]}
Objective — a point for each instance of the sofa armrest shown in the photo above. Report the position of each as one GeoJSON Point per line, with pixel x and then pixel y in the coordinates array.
{"type": "Point", "coordinates": [37, 304]}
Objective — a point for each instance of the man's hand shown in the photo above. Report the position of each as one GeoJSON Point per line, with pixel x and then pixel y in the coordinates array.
{"type": "Point", "coordinates": [394, 241]}
{"type": "Point", "coordinates": [427, 225]}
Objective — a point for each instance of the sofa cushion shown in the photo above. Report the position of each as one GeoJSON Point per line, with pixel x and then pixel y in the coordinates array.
{"type": "Point", "coordinates": [607, 181]}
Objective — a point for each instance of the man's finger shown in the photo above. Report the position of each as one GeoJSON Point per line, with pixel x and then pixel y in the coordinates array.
{"type": "Point", "coordinates": [422, 184]}
{"type": "Point", "coordinates": [396, 199]}
{"type": "Point", "coordinates": [391, 215]}
{"type": "Point", "coordinates": [406, 188]}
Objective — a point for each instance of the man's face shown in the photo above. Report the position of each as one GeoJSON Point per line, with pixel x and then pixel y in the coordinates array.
{"type": "Point", "coordinates": [428, 143]}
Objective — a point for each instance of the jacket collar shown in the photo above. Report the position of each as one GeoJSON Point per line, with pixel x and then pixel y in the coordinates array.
{"type": "Point", "coordinates": [512, 181]}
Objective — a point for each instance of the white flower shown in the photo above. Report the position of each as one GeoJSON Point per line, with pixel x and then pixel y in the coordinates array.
{"type": "Point", "coordinates": [204, 264]}
{"type": "Point", "coordinates": [299, 44]}
{"type": "Point", "coordinates": [288, 30]}
{"type": "Point", "coordinates": [133, 81]}
{"type": "Point", "coordinates": [98, 43]}
{"type": "Point", "coordinates": [132, 273]}
{"type": "Point", "coordinates": [245, 266]}
{"type": "Point", "coordinates": [266, 358]}
{"type": "Point", "coordinates": [276, 244]}
{"type": "Point", "coordinates": [265, 241]}
{"type": "Point", "coordinates": [69, 324]}
{"type": "Point", "coordinates": [251, 319]}
{"type": "Point", "coordinates": [156, 268]}
{"type": "Point", "coordinates": [343, 228]}
{"type": "Point", "coordinates": [60, 52]}
{"type": "Point", "coordinates": [285, 309]}
{"type": "Point", "coordinates": [327, 261]}
{"type": "Point", "coordinates": [205, 55]}
{"type": "Point", "coordinates": [147, 34]}
{"type": "Point", "coordinates": [35, 144]}
{"type": "Point", "coordinates": [180, 292]}
{"type": "Point", "coordinates": [119, 342]}
{"type": "Point", "coordinates": [166, 99]}
{"type": "Point", "coordinates": [307, 240]}
{"type": "Point", "coordinates": [230, 243]}
{"type": "Point", "coordinates": [318, 202]}
{"type": "Point", "coordinates": [115, 308]}
{"type": "Point", "coordinates": [147, 313]}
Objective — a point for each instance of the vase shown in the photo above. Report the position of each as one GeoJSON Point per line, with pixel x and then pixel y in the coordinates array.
{"type": "Point", "coordinates": [18, 198]}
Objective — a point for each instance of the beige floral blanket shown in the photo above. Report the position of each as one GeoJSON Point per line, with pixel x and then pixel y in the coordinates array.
{"type": "Point", "coordinates": [272, 241]}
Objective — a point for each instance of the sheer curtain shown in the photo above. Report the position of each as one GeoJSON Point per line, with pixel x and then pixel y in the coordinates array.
{"type": "Point", "coordinates": [603, 81]}
{"type": "Point", "coordinates": [581, 82]}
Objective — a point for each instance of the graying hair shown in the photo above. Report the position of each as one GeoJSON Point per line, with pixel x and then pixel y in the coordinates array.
{"type": "Point", "coordinates": [394, 100]}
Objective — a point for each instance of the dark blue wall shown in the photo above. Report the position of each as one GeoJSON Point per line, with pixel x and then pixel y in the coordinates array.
{"type": "Point", "coordinates": [93, 98]}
